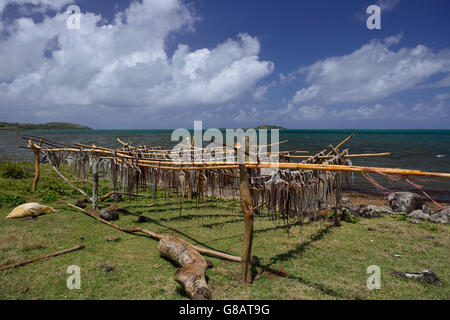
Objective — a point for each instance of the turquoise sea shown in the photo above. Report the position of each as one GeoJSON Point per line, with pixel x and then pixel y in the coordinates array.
{"type": "Point", "coordinates": [411, 149]}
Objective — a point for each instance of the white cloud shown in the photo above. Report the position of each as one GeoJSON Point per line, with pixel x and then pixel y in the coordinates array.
{"type": "Point", "coordinates": [306, 94]}
{"type": "Point", "coordinates": [442, 96]}
{"type": "Point", "coordinates": [53, 4]}
{"type": "Point", "coordinates": [387, 5]}
{"type": "Point", "coordinates": [122, 65]}
{"type": "Point", "coordinates": [378, 112]}
{"type": "Point", "coordinates": [372, 72]}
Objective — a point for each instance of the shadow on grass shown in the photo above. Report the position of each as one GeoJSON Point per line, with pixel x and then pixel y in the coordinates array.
{"type": "Point", "coordinates": [302, 247]}
{"type": "Point", "coordinates": [181, 233]}
{"type": "Point", "coordinates": [301, 280]}
{"type": "Point", "coordinates": [298, 251]}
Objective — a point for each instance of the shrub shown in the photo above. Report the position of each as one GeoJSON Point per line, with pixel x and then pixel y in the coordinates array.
{"type": "Point", "coordinates": [11, 200]}
{"type": "Point", "coordinates": [347, 217]}
{"type": "Point", "coordinates": [14, 171]}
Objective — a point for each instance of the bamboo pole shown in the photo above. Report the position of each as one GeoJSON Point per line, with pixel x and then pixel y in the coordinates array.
{"type": "Point", "coordinates": [344, 168]}
{"type": "Point", "coordinates": [341, 144]}
{"type": "Point", "coordinates": [22, 263]}
{"type": "Point", "coordinates": [356, 155]}
{"type": "Point", "coordinates": [311, 166]}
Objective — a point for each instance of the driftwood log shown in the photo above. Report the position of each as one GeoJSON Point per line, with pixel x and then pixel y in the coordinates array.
{"type": "Point", "coordinates": [192, 274]}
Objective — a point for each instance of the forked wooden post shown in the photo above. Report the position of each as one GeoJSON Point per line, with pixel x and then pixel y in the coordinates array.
{"type": "Point", "coordinates": [37, 161]}
{"type": "Point", "coordinates": [247, 209]}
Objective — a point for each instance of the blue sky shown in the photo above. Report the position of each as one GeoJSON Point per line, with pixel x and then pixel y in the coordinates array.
{"type": "Point", "coordinates": [166, 63]}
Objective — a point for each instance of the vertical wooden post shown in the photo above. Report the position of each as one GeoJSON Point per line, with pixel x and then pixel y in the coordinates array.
{"type": "Point", "coordinates": [190, 177]}
{"type": "Point", "coordinates": [95, 185]}
{"type": "Point", "coordinates": [247, 209]}
{"type": "Point", "coordinates": [37, 161]}
{"type": "Point", "coordinates": [338, 212]}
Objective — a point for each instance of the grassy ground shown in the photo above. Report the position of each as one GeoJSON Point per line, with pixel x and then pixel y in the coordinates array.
{"type": "Point", "coordinates": [321, 262]}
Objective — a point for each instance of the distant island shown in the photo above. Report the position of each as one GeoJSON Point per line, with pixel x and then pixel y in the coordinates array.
{"type": "Point", "coordinates": [44, 126]}
{"type": "Point", "coordinates": [266, 126]}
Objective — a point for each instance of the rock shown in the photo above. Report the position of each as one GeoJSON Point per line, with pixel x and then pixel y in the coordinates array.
{"type": "Point", "coordinates": [405, 201]}
{"type": "Point", "coordinates": [426, 208]}
{"type": "Point", "coordinates": [116, 208]}
{"type": "Point", "coordinates": [442, 216]}
{"type": "Point", "coordinates": [107, 268]}
{"type": "Point", "coordinates": [109, 215]}
{"type": "Point", "coordinates": [425, 276]}
{"type": "Point", "coordinates": [445, 210]}
{"type": "Point", "coordinates": [81, 203]}
{"type": "Point", "coordinates": [117, 197]}
{"type": "Point", "coordinates": [415, 221]}
{"type": "Point", "coordinates": [419, 214]}
{"type": "Point", "coordinates": [374, 212]}
{"type": "Point", "coordinates": [354, 209]}
{"type": "Point", "coordinates": [143, 219]}
{"type": "Point", "coordinates": [112, 238]}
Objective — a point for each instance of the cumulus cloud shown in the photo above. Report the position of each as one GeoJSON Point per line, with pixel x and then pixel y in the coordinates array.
{"type": "Point", "coordinates": [387, 5]}
{"type": "Point", "coordinates": [394, 111]}
{"type": "Point", "coordinates": [372, 72]}
{"type": "Point", "coordinates": [51, 4]}
{"type": "Point", "coordinates": [123, 65]}
{"type": "Point", "coordinates": [442, 96]}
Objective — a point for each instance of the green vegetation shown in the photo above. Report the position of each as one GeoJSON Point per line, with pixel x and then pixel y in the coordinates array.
{"type": "Point", "coordinates": [44, 126]}
{"type": "Point", "coordinates": [267, 126]}
{"type": "Point", "coordinates": [321, 262]}
{"type": "Point", "coordinates": [11, 170]}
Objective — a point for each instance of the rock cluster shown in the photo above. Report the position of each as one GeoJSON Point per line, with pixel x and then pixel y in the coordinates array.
{"type": "Point", "coordinates": [402, 203]}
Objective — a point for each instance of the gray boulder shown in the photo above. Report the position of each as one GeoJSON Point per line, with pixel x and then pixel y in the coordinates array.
{"type": "Point", "coordinates": [441, 216]}
{"type": "Point", "coordinates": [419, 214]}
{"type": "Point", "coordinates": [354, 209]}
{"type": "Point", "coordinates": [426, 208]}
{"type": "Point", "coordinates": [405, 201]}
{"type": "Point", "coordinates": [372, 211]}
{"type": "Point", "coordinates": [424, 275]}
{"type": "Point", "coordinates": [109, 215]}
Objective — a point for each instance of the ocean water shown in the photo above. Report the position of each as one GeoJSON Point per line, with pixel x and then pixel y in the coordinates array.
{"type": "Point", "coordinates": [411, 149]}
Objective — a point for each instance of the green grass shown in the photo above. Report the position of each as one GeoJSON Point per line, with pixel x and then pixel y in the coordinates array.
{"type": "Point", "coordinates": [322, 262]}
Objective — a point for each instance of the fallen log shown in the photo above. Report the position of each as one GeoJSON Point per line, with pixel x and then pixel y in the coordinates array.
{"type": "Point", "coordinates": [192, 274]}
{"type": "Point", "coordinates": [111, 193]}
{"type": "Point", "coordinates": [10, 266]}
